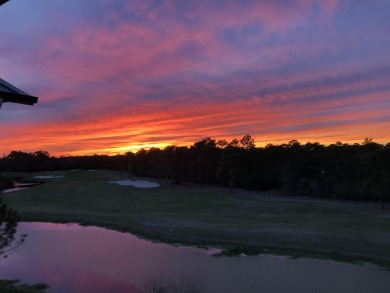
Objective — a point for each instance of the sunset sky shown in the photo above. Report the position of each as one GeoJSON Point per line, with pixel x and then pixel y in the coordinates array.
{"type": "Point", "coordinates": [116, 75]}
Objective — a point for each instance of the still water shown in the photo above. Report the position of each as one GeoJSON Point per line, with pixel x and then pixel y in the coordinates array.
{"type": "Point", "coordinates": [71, 258]}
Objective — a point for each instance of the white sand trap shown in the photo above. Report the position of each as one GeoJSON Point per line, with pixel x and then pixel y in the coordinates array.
{"type": "Point", "coordinates": [137, 183]}
{"type": "Point", "coordinates": [48, 176]}
{"type": "Point", "coordinates": [25, 184]}
{"type": "Point", "coordinates": [13, 189]}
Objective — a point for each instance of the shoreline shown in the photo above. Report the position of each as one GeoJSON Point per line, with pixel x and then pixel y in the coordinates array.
{"type": "Point", "coordinates": [228, 249]}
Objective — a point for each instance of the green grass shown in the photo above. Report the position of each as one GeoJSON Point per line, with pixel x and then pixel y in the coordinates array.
{"type": "Point", "coordinates": [240, 221]}
{"type": "Point", "coordinates": [14, 286]}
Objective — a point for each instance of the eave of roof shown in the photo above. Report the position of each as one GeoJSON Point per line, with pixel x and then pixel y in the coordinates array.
{"type": "Point", "coordinates": [10, 93]}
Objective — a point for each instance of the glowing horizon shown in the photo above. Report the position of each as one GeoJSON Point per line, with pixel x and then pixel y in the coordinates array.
{"type": "Point", "coordinates": [118, 76]}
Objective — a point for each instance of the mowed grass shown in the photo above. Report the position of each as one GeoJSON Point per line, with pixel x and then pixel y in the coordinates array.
{"type": "Point", "coordinates": [211, 216]}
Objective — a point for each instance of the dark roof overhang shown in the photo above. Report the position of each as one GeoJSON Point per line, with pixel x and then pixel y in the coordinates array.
{"type": "Point", "coordinates": [10, 93]}
{"type": "Point", "coordinates": [2, 2]}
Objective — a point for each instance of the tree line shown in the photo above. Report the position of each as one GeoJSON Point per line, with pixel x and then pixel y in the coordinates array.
{"type": "Point", "coordinates": [339, 171]}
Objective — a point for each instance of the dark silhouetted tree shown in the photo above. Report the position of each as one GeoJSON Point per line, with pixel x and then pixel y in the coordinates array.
{"type": "Point", "coordinates": [247, 142]}
{"type": "Point", "coordinates": [8, 222]}
{"type": "Point", "coordinates": [377, 173]}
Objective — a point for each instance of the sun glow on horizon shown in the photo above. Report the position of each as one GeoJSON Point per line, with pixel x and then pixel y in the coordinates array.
{"type": "Point", "coordinates": [121, 78]}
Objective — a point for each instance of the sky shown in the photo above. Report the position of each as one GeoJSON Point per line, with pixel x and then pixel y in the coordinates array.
{"type": "Point", "coordinates": [114, 76]}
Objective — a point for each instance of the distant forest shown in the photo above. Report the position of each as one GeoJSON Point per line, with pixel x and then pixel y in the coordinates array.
{"type": "Point", "coordinates": [338, 171]}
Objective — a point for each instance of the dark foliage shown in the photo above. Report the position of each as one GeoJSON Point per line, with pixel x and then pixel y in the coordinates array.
{"type": "Point", "coordinates": [342, 171]}
{"type": "Point", "coordinates": [14, 286]}
{"type": "Point", "coordinates": [8, 222]}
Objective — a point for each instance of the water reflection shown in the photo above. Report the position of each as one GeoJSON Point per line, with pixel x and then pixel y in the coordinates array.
{"type": "Point", "coordinates": [63, 278]}
{"type": "Point", "coordinates": [185, 284]}
{"type": "Point", "coordinates": [71, 258]}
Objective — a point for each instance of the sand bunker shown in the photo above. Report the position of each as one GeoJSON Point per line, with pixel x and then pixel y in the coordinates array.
{"type": "Point", "coordinates": [13, 189]}
{"type": "Point", "coordinates": [137, 183]}
{"type": "Point", "coordinates": [47, 176]}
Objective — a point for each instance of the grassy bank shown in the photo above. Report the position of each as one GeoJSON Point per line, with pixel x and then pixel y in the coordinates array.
{"type": "Point", "coordinates": [240, 221]}
{"type": "Point", "coordinates": [15, 286]}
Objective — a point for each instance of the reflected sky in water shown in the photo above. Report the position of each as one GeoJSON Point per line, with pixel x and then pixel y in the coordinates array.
{"type": "Point", "coordinates": [71, 258]}
{"type": "Point", "coordinates": [63, 278]}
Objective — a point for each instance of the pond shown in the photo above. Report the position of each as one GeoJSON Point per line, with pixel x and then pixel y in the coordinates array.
{"type": "Point", "coordinates": [71, 258]}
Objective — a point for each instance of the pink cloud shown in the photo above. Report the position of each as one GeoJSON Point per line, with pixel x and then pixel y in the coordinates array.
{"type": "Point", "coordinates": [150, 74]}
